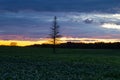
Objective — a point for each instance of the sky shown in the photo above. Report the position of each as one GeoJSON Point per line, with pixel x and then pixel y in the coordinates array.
{"type": "Point", "coordinates": [87, 20]}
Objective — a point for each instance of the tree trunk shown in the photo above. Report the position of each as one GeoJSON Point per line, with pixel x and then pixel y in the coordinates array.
{"type": "Point", "coordinates": [54, 46]}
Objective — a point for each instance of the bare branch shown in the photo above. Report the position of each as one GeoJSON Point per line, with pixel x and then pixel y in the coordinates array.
{"type": "Point", "coordinates": [54, 33]}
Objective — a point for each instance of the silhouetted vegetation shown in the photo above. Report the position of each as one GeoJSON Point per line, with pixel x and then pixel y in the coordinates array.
{"type": "Point", "coordinates": [54, 33]}
{"type": "Point", "coordinates": [100, 45]}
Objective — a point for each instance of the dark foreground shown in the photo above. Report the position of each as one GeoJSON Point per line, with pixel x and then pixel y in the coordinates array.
{"type": "Point", "coordinates": [67, 64]}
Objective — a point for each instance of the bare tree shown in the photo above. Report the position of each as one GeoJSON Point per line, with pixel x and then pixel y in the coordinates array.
{"type": "Point", "coordinates": [54, 33]}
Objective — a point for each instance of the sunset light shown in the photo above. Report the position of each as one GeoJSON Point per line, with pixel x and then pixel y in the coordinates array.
{"type": "Point", "coordinates": [60, 40]}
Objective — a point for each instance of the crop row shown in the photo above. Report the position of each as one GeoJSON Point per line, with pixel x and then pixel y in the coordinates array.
{"type": "Point", "coordinates": [11, 69]}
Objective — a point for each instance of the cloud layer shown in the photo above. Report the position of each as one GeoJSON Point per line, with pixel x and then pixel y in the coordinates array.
{"type": "Point", "coordinates": [61, 5]}
{"type": "Point", "coordinates": [32, 19]}
{"type": "Point", "coordinates": [37, 24]}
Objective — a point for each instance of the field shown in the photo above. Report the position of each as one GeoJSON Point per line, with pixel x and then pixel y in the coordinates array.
{"type": "Point", "coordinates": [23, 63]}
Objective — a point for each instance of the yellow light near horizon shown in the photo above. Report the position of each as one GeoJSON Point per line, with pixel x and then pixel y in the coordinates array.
{"type": "Point", "coordinates": [88, 40]}
{"type": "Point", "coordinates": [19, 43]}
{"type": "Point", "coordinates": [60, 40]}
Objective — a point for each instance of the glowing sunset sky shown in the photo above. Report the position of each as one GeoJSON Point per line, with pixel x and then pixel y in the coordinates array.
{"type": "Point", "coordinates": [28, 21]}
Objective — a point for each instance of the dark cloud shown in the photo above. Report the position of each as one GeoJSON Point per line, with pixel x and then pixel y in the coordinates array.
{"type": "Point", "coordinates": [88, 21]}
{"type": "Point", "coordinates": [32, 19]}
{"type": "Point", "coordinates": [61, 5]}
{"type": "Point", "coordinates": [37, 24]}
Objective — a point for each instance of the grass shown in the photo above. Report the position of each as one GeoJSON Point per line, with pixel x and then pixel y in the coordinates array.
{"type": "Point", "coordinates": [107, 56]}
{"type": "Point", "coordinates": [23, 63]}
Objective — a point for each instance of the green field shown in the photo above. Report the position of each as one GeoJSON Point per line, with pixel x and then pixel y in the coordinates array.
{"type": "Point", "coordinates": [23, 63]}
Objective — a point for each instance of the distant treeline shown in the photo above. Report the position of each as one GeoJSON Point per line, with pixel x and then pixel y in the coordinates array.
{"type": "Point", "coordinates": [100, 45]}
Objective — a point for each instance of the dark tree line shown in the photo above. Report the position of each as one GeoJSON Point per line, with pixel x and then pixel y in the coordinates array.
{"type": "Point", "coordinates": [83, 45]}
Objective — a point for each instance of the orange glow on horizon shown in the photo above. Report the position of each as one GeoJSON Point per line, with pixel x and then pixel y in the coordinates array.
{"type": "Point", "coordinates": [19, 43]}
{"type": "Point", "coordinates": [60, 40]}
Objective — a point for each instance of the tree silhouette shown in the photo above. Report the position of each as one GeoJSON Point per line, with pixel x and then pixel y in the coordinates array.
{"type": "Point", "coordinates": [54, 33]}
